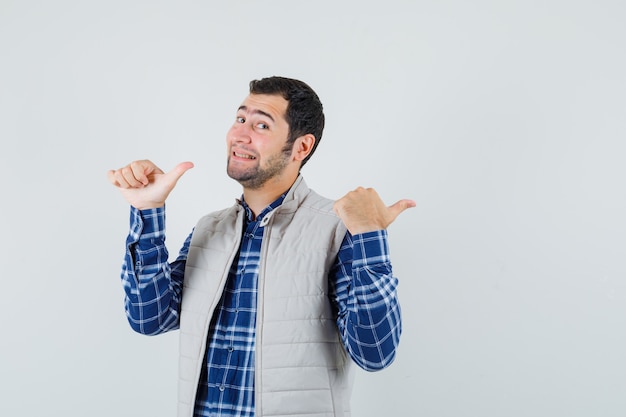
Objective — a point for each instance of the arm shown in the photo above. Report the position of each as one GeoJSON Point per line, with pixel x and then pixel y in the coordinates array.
{"type": "Point", "coordinates": [152, 286]}
{"type": "Point", "coordinates": [363, 290]}
{"type": "Point", "coordinates": [363, 287]}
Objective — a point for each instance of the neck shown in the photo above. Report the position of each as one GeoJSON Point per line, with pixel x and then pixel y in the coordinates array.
{"type": "Point", "coordinates": [259, 198]}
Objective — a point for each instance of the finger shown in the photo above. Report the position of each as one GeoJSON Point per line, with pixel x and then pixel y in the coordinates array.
{"type": "Point", "coordinates": [138, 171]}
{"type": "Point", "coordinates": [131, 176]}
{"type": "Point", "coordinates": [111, 177]}
{"type": "Point", "coordinates": [117, 178]}
{"type": "Point", "coordinates": [399, 207]}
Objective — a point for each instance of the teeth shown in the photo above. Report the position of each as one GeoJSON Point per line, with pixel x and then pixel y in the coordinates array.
{"type": "Point", "coordinates": [239, 155]}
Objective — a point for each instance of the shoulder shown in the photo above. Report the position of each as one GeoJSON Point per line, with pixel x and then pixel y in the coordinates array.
{"type": "Point", "coordinates": [219, 217]}
{"type": "Point", "coordinates": [317, 202]}
{"type": "Point", "coordinates": [311, 200]}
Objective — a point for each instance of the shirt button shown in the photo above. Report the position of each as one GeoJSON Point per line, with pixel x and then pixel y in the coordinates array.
{"type": "Point", "coordinates": [230, 348]}
{"type": "Point", "coordinates": [221, 388]}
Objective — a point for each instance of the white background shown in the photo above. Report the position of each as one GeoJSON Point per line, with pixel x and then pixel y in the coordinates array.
{"type": "Point", "coordinates": [504, 120]}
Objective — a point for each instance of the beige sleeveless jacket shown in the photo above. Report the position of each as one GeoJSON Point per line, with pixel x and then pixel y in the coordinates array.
{"type": "Point", "coordinates": [302, 368]}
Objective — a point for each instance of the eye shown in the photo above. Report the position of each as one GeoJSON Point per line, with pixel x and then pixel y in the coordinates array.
{"type": "Point", "coordinates": [262, 126]}
{"type": "Point", "coordinates": [240, 119]}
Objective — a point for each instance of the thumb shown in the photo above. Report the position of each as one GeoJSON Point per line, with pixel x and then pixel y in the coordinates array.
{"type": "Point", "coordinates": [400, 206]}
{"type": "Point", "coordinates": [179, 170]}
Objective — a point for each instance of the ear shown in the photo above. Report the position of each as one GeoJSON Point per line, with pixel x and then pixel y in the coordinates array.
{"type": "Point", "coordinates": [303, 146]}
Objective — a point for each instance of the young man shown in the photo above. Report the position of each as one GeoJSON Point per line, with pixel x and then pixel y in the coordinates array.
{"type": "Point", "coordinates": [278, 296]}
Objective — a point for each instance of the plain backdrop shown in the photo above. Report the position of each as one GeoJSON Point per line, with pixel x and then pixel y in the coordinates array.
{"type": "Point", "coordinates": [505, 120]}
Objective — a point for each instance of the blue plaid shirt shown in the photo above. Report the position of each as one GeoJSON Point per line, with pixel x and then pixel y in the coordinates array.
{"type": "Point", "coordinates": [361, 286]}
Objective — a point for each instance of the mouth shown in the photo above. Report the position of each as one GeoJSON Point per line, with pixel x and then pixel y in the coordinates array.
{"type": "Point", "coordinates": [243, 155]}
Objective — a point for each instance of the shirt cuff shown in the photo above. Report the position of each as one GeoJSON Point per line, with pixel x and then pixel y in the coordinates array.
{"type": "Point", "coordinates": [370, 249]}
{"type": "Point", "coordinates": [147, 225]}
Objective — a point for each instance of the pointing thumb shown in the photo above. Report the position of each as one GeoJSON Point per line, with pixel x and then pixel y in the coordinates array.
{"type": "Point", "coordinates": [400, 206]}
{"type": "Point", "coordinates": [179, 170]}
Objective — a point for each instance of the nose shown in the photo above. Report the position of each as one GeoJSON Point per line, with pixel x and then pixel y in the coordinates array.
{"type": "Point", "coordinates": [239, 133]}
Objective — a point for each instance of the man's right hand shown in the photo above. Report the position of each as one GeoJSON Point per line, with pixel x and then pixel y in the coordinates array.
{"type": "Point", "coordinates": [144, 185]}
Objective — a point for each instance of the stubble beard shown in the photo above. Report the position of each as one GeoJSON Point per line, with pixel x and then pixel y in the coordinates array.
{"type": "Point", "coordinates": [255, 177]}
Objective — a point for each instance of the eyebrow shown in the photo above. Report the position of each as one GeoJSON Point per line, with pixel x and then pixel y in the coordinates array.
{"type": "Point", "coordinates": [256, 111]}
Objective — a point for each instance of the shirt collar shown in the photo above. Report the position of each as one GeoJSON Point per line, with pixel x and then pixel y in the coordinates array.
{"type": "Point", "coordinates": [275, 204]}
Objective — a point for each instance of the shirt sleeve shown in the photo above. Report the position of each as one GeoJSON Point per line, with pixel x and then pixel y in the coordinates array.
{"type": "Point", "coordinates": [363, 289]}
{"type": "Point", "coordinates": [152, 285]}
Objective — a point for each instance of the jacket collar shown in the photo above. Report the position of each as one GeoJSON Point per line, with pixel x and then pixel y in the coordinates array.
{"type": "Point", "coordinates": [298, 191]}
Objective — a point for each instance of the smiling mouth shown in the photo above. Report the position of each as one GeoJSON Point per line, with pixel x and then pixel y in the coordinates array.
{"type": "Point", "coordinates": [244, 156]}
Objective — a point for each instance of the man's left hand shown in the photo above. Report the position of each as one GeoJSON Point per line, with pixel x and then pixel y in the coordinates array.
{"type": "Point", "coordinates": [363, 211]}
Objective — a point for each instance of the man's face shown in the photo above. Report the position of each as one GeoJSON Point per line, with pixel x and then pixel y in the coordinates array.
{"type": "Point", "coordinates": [256, 141]}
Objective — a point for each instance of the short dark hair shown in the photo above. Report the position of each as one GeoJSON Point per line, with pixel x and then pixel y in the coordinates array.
{"type": "Point", "coordinates": [305, 113]}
